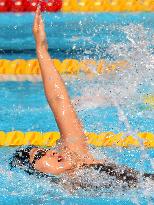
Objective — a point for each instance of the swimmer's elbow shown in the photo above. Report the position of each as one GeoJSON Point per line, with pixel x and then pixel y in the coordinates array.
{"type": "Point", "coordinates": [57, 99]}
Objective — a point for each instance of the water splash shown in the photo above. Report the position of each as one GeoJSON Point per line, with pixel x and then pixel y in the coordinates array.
{"type": "Point", "coordinates": [124, 88]}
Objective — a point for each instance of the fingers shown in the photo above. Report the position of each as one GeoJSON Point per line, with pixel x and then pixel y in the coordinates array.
{"type": "Point", "coordinates": [41, 23]}
{"type": "Point", "coordinates": [37, 19]}
{"type": "Point", "coordinates": [36, 22]}
{"type": "Point", "coordinates": [38, 10]}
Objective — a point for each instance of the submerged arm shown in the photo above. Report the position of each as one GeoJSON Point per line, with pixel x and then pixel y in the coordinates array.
{"type": "Point", "coordinates": [69, 125]}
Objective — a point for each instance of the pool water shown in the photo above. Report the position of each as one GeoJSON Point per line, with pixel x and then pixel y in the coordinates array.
{"type": "Point", "coordinates": [72, 35]}
{"type": "Point", "coordinates": [24, 107]}
{"type": "Point", "coordinates": [111, 102]}
{"type": "Point", "coordinates": [18, 187]}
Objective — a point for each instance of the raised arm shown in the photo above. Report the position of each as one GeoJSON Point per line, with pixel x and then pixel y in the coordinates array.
{"type": "Point", "coordinates": [69, 125]}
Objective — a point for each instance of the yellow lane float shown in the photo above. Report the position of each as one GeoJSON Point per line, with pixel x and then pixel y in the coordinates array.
{"type": "Point", "coordinates": [104, 139]}
{"type": "Point", "coordinates": [107, 5]}
{"type": "Point", "coordinates": [67, 66]}
{"type": "Point", "coordinates": [149, 100]}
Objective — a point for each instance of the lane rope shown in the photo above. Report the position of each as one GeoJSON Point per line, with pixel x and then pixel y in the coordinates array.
{"type": "Point", "coordinates": [149, 100]}
{"type": "Point", "coordinates": [107, 5]}
{"type": "Point", "coordinates": [67, 66]}
{"type": "Point", "coordinates": [77, 5]}
{"type": "Point", "coordinates": [104, 139]}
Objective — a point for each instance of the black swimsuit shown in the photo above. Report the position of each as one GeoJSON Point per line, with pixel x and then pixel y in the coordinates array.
{"type": "Point", "coordinates": [107, 175]}
{"type": "Point", "coordinates": [120, 173]}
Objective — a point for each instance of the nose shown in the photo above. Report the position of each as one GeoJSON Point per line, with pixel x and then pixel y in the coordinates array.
{"type": "Point", "coordinates": [51, 153]}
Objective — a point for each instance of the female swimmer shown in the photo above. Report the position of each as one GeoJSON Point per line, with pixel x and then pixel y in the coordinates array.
{"type": "Point", "coordinates": [73, 154]}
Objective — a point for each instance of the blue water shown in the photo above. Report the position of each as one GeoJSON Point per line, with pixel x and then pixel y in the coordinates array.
{"type": "Point", "coordinates": [91, 34]}
{"type": "Point", "coordinates": [23, 105]}
{"type": "Point", "coordinates": [19, 188]}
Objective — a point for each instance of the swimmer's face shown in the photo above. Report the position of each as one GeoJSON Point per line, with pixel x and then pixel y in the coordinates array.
{"type": "Point", "coordinates": [49, 161]}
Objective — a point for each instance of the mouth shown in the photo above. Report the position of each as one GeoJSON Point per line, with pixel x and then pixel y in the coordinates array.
{"type": "Point", "coordinates": [60, 158]}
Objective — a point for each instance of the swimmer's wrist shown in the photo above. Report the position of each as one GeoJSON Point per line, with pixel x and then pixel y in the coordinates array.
{"type": "Point", "coordinates": [41, 44]}
{"type": "Point", "coordinates": [40, 49]}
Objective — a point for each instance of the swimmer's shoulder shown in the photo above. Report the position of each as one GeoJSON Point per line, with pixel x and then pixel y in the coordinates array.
{"type": "Point", "coordinates": [83, 158]}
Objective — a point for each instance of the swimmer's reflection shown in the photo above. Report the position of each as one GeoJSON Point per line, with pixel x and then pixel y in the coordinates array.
{"type": "Point", "coordinates": [73, 154]}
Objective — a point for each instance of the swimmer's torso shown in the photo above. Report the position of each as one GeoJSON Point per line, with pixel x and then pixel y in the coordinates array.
{"type": "Point", "coordinates": [87, 172]}
{"type": "Point", "coordinates": [107, 175]}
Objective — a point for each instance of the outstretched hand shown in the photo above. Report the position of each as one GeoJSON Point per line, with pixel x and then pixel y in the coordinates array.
{"type": "Point", "coordinates": [39, 31]}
